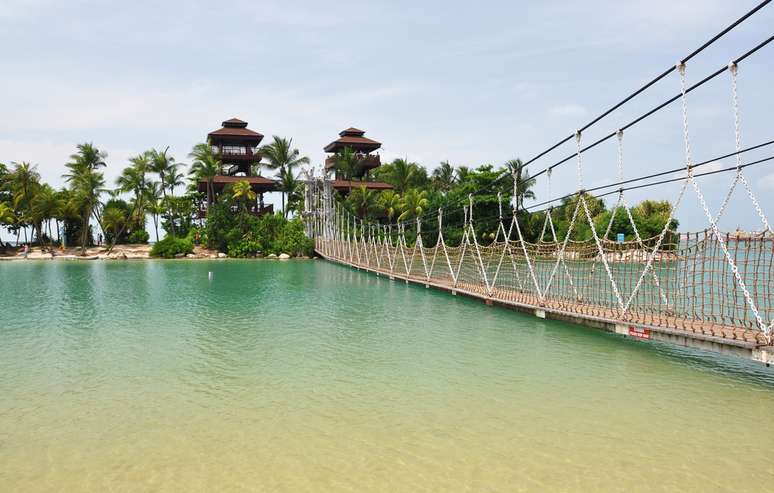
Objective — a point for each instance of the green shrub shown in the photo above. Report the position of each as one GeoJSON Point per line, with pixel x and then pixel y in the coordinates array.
{"type": "Point", "coordinates": [201, 231]}
{"type": "Point", "coordinates": [243, 235]}
{"type": "Point", "coordinates": [139, 236]}
{"type": "Point", "coordinates": [246, 247]}
{"type": "Point", "coordinates": [171, 246]}
{"type": "Point", "coordinates": [292, 239]}
{"type": "Point", "coordinates": [225, 226]}
{"type": "Point", "coordinates": [270, 227]}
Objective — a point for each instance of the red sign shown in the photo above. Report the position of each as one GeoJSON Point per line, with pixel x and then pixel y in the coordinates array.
{"type": "Point", "coordinates": [639, 333]}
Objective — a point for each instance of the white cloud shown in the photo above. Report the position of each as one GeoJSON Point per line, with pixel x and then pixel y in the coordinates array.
{"type": "Point", "coordinates": [767, 182]}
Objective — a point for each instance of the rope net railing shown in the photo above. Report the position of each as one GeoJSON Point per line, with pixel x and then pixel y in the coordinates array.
{"type": "Point", "coordinates": [686, 287]}
{"type": "Point", "coordinates": [713, 283]}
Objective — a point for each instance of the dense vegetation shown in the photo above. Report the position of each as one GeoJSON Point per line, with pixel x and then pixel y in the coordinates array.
{"type": "Point", "coordinates": [87, 209]}
{"type": "Point", "coordinates": [145, 193]}
{"type": "Point", "coordinates": [419, 194]}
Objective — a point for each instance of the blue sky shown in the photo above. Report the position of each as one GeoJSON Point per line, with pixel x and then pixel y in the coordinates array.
{"type": "Point", "coordinates": [471, 82]}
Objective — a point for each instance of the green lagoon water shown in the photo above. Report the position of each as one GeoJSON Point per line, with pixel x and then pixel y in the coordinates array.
{"type": "Point", "coordinates": [308, 376]}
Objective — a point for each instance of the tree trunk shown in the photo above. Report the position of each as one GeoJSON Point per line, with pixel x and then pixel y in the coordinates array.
{"type": "Point", "coordinates": [164, 192]}
{"type": "Point", "coordinates": [84, 232]}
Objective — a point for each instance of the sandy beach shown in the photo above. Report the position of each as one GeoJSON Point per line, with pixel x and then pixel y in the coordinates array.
{"type": "Point", "coordinates": [119, 252]}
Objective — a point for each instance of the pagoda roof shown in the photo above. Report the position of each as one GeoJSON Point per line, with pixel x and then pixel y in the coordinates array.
{"type": "Point", "coordinates": [235, 128]}
{"type": "Point", "coordinates": [352, 131]}
{"type": "Point", "coordinates": [353, 138]}
{"type": "Point", "coordinates": [235, 122]}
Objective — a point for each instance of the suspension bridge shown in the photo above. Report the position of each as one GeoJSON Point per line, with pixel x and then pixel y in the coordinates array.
{"type": "Point", "coordinates": [711, 289]}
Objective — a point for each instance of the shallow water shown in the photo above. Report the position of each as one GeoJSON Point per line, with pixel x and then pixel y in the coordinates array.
{"type": "Point", "coordinates": [307, 376]}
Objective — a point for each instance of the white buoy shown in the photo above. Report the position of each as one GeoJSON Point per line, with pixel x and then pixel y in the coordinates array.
{"type": "Point", "coordinates": [209, 275]}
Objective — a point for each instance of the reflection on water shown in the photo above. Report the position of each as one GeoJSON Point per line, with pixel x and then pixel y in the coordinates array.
{"type": "Point", "coordinates": [309, 376]}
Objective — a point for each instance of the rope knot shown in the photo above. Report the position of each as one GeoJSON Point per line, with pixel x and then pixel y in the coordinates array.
{"type": "Point", "coordinates": [732, 67]}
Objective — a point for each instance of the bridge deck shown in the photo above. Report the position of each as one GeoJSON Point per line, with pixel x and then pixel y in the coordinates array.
{"type": "Point", "coordinates": [700, 334]}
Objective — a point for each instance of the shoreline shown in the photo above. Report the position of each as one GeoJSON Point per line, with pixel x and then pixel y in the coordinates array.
{"type": "Point", "coordinates": [128, 252]}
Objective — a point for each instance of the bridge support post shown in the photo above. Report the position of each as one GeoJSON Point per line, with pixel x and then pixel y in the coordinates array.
{"type": "Point", "coordinates": [540, 313]}
{"type": "Point", "coordinates": [763, 355]}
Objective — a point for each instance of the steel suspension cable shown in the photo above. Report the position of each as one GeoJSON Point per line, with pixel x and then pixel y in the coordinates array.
{"type": "Point", "coordinates": [625, 127]}
{"type": "Point", "coordinates": [656, 175]}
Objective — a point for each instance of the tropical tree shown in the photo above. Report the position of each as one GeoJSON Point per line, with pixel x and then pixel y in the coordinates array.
{"type": "Point", "coordinates": [389, 204]}
{"type": "Point", "coordinates": [402, 175]}
{"type": "Point", "coordinates": [462, 173]}
{"type": "Point", "coordinates": [243, 194]}
{"type": "Point", "coordinates": [7, 217]}
{"type": "Point", "coordinates": [345, 164]}
{"type": "Point", "coordinates": [524, 183]}
{"type": "Point", "coordinates": [175, 178]}
{"type": "Point", "coordinates": [153, 201]}
{"type": "Point", "coordinates": [64, 212]}
{"type": "Point", "coordinates": [133, 180]}
{"type": "Point", "coordinates": [46, 205]}
{"type": "Point", "coordinates": [163, 165]}
{"type": "Point", "coordinates": [205, 167]}
{"type": "Point", "coordinates": [283, 157]}
{"type": "Point", "coordinates": [294, 188]}
{"type": "Point", "coordinates": [178, 212]}
{"type": "Point", "coordinates": [651, 216]}
{"type": "Point", "coordinates": [362, 201]}
{"type": "Point", "coordinates": [413, 204]}
{"type": "Point", "coordinates": [24, 183]}
{"type": "Point", "coordinates": [443, 177]}
{"type": "Point", "coordinates": [114, 220]}
{"type": "Point", "coordinates": [87, 184]}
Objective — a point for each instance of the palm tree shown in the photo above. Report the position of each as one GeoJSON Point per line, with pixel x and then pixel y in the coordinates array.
{"type": "Point", "coordinates": [362, 201]}
{"type": "Point", "coordinates": [443, 177]}
{"type": "Point", "coordinates": [389, 203]}
{"type": "Point", "coordinates": [462, 173]}
{"type": "Point", "coordinates": [205, 166]}
{"type": "Point", "coordinates": [46, 205]}
{"type": "Point", "coordinates": [523, 182]}
{"type": "Point", "coordinates": [7, 217]}
{"type": "Point", "coordinates": [153, 199]}
{"type": "Point", "coordinates": [290, 185]}
{"type": "Point", "coordinates": [282, 156]}
{"type": "Point", "coordinates": [174, 177]}
{"type": "Point", "coordinates": [165, 167]}
{"type": "Point", "coordinates": [133, 179]}
{"type": "Point", "coordinates": [243, 193]}
{"type": "Point", "coordinates": [64, 211]}
{"type": "Point", "coordinates": [413, 204]}
{"type": "Point", "coordinates": [345, 164]}
{"type": "Point", "coordinates": [114, 221]}
{"type": "Point", "coordinates": [24, 182]}
{"type": "Point", "coordinates": [87, 185]}
{"type": "Point", "coordinates": [402, 174]}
